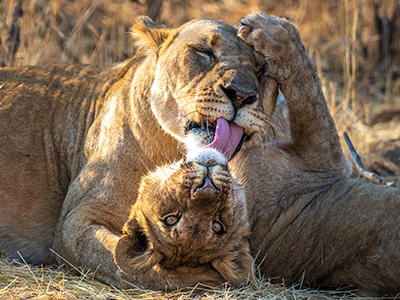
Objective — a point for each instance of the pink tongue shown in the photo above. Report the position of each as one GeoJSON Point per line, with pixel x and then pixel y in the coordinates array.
{"type": "Point", "coordinates": [227, 137]}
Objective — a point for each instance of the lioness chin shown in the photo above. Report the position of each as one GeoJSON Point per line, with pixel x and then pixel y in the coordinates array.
{"type": "Point", "coordinates": [76, 142]}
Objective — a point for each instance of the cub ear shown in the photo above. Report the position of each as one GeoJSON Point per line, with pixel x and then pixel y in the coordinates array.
{"type": "Point", "coordinates": [129, 261]}
{"type": "Point", "coordinates": [133, 252]}
{"type": "Point", "coordinates": [236, 266]}
{"type": "Point", "coordinates": [151, 36]}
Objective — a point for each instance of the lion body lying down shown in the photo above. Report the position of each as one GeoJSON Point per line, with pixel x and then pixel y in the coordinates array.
{"type": "Point", "coordinates": [77, 140]}
{"type": "Point", "coordinates": [310, 223]}
{"type": "Point", "coordinates": [321, 229]}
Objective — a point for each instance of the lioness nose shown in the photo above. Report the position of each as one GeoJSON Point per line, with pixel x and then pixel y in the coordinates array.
{"type": "Point", "coordinates": [239, 98]}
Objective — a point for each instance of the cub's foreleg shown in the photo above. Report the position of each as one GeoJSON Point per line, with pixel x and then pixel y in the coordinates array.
{"type": "Point", "coordinates": [315, 139]}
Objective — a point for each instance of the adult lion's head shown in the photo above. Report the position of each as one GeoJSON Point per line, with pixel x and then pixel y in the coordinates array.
{"type": "Point", "coordinates": [208, 87]}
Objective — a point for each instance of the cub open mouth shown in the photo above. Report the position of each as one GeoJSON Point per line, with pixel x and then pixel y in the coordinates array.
{"type": "Point", "coordinates": [227, 138]}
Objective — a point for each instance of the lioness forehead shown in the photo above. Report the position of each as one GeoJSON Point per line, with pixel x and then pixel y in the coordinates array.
{"type": "Point", "coordinates": [212, 25]}
{"type": "Point", "coordinates": [196, 29]}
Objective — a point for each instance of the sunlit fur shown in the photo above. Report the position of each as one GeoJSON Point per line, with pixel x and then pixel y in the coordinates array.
{"type": "Point", "coordinates": [189, 251]}
{"type": "Point", "coordinates": [192, 88]}
{"type": "Point", "coordinates": [77, 140]}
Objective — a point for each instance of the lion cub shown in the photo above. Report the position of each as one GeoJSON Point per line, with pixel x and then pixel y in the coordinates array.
{"type": "Point", "coordinates": [188, 225]}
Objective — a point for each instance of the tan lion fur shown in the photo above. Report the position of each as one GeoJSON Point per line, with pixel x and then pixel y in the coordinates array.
{"type": "Point", "coordinates": [310, 222]}
{"type": "Point", "coordinates": [77, 140]}
{"type": "Point", "coordinates": [203, 255]}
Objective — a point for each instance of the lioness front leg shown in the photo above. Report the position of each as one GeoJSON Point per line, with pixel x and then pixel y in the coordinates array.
{"type": "Point", "coordinates": [315, 139]}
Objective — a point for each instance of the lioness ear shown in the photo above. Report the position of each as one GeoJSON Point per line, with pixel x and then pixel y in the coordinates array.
{"type": "Point", "coordinates": [151, 36]}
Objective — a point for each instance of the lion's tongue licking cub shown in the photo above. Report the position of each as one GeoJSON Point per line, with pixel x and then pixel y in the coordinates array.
{"type": "Point", "coordinates": [227, 137]}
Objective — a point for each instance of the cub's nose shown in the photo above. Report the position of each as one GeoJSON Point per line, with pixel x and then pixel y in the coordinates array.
{"type": "Point", "coordinates": [208, 183]}
{"type": "Point", "coordinates": [239, 98]}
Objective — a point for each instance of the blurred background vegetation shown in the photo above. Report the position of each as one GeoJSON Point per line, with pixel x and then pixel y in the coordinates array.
{"type": "Point", "coordinates": [355, 45]}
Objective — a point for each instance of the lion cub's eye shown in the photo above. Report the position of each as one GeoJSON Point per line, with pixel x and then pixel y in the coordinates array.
{"type": "Point", "coordinates": [171, 220]}
{"type": "Point", "coordinates": [218, 228]}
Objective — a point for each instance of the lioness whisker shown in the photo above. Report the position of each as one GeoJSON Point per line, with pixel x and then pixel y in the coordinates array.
{"type": "Point", "coordinates": [189, 94]}
{"type": "Point", "coordinates": [241, 166]}
{"type": "Point", "coordinates": [267, 135]}
{"type": "Point", "coordinates": [268, 116]}
{"type": "Point", "coordinates": [145, 165]}
{"type": "Point", "coordinates": [274, 128]}
{"type": "Point", "coordinates": [189, 113]}
{"type": "Point", "coordinates": [260, 137]}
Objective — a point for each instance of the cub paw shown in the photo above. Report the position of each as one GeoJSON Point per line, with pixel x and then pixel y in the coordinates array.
{"type": "Point", "coordinates": [277, 39]}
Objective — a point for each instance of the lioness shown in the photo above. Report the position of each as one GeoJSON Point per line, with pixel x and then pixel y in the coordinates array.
{"type": "Point", "coordinates": [76, 141]}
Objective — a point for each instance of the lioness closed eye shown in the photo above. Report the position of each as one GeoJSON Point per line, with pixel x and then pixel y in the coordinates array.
{"type": "Point", "coordinates": [189, 225]}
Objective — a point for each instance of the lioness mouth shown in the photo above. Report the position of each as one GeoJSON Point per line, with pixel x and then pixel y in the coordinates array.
{"type": "Point", "coordinates": [225, 136]}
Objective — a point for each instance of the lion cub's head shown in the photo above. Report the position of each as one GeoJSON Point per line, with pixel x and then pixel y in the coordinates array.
{"type": "Point", "coordinates": [208, 84]}
{"type": "Point", "coordinates": [189, 223]}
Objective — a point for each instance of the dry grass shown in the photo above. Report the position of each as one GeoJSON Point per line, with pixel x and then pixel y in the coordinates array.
{"type": "Point", "coordinates": [19, 281]}
{"type": "Point", "coordinates": [358, 67]}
